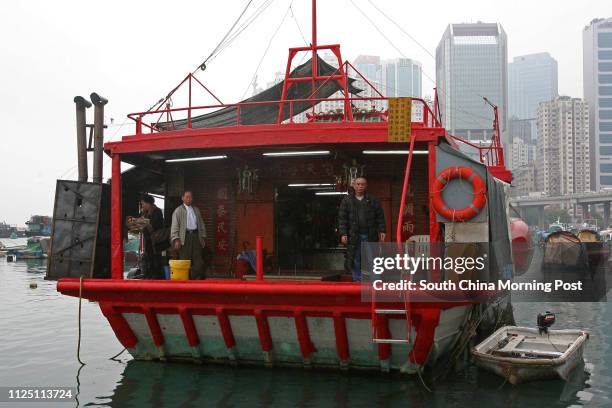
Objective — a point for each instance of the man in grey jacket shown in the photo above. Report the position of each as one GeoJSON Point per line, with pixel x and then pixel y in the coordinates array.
{"type": "Point", "coordinates": [188, 235]}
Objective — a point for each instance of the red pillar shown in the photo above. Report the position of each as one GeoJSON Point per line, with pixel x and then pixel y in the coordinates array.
{"type": "Point", "coordinates": [259, 271]}
{"type": "Point", "coordinates": [116, 236]}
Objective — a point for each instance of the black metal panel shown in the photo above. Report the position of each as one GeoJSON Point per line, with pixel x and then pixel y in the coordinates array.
{"type": "Point", "coordinates": [80, 244]}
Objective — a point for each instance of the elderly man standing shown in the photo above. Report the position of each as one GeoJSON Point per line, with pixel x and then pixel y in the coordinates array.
{"type": "Point", "coordinates": [361, 219]}
{"type": "Point", "coordinates": [188, 235]}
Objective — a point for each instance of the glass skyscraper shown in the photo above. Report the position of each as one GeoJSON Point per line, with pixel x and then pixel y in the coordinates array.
{"type": "Point", "coordinates": [472, 62]}
{"type": "Point", "coordinates": [402, 77]}
{"type": "Point", "coordinates": [597, 81]}
{"type": "Point", "coordinates": [532, 79]}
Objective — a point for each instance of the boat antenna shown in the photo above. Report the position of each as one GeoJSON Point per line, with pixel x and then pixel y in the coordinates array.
{"type": "Point", "coordinates": [496, 142]}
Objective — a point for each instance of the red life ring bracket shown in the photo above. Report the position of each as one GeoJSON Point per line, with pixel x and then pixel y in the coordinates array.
{"type": "Point", "coordinates": [477, 183]}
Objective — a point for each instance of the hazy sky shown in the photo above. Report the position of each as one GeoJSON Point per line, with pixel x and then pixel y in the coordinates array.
{"type": "Point", "coordinates": [133, 53]}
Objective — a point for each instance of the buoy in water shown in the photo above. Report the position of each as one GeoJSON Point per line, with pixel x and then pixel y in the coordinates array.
{"type": "Point", "coordinates": [33, 285]}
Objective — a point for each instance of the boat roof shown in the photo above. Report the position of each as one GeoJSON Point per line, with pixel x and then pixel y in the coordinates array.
{"type": "Point", "coordinates": [268, 119]}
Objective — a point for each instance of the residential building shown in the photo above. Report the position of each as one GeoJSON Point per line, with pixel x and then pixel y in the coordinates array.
{"type": "Point", "coordinates": [562, 164]}
{"type": "Point", "coordinates": [524, 129]}
{"type": "Point", "coordinates": [523, 180]}
{"type": "Point", "coordinates": [522, 153]}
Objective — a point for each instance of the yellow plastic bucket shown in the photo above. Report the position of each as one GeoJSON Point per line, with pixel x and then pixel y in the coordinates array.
{"type": "Point", "coordinates": [179, 269]}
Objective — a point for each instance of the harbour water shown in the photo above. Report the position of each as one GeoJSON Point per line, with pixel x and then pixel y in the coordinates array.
{"type": "Point", "coordinates": [38, 332]}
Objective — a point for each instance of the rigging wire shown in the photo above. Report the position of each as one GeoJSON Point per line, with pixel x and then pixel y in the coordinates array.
{"type": "Point", "coordinates": [395, 23]}
{"type": "Point", "coordinates": [401, 29]}
{"type": "Point", "coordinates": [203, 64]}
{"type": "Point", "coordinates": [227, 39]}
{"type": "Point", "coordinates": [248, 21]}
{"type": "Point", "coordinates": [403, 55]}
{"type": "Point", "coordinates": [266, 50]}
{"type": "Point", "coordinates": [297, 24]}
{"type": "Point", "coordinates": [243, 27]}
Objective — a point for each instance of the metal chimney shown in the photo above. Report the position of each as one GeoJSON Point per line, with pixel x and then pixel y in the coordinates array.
{"type": "Point", "coordinates": [81, 104]}
{"type": "Point", "coordinates": [99, 103]}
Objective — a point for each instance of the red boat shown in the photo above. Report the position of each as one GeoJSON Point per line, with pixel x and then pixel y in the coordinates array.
{"type": "Point", "coordinates": [253, 166]}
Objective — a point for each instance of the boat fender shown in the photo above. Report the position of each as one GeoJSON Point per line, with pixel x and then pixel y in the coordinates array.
{"type": "Point", "coordinates": [477, 183]}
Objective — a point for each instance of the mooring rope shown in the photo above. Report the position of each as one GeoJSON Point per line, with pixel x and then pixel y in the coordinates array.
{"type": "Point", "coordinates": [80, 331]}
{"type": "Point", "coordinates": [117, 355]}
{"type": "Point", "coordinates": [79, 321]}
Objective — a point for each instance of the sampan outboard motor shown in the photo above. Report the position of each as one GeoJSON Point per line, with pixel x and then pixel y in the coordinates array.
{"type": "Point", "coordinates": [545, 320]}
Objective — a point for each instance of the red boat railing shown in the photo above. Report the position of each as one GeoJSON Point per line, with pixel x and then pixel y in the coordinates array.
{"type": "Point", "coordinates": [422, 114]}
{"type": "Point", "coordinates": [491, 154]}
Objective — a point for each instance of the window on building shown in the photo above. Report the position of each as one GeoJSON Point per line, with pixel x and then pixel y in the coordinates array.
{"type": "Point", "coordinates": [605, 180]}
{"type": "Point", "coordinates": [605, 114]}
{"type": "Point", "coordinates": [605, 67]}
{"type": "Point", "coordinates": [604, 40]}
{"type": "Point", "coordinates": [605, 138]}
{"type": "Point", "coordinates": [605, 78]}
{"type": "Point", "coordinates": [605, 126]}
{"type": "Point", "coordinates": [605, 55]}
{"type": "Point", "coordinates": [605, 167]}
{"type": "Point", "coordinates": [605, 150]}
{"type": "Point", "coordinates": [605, 90]}
{"type": "Point", "coordinates": [605, 102]}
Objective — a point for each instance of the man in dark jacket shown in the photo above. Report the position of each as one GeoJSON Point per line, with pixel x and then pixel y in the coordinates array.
{"type": "Point", "coordinates": [360, 219]}
{"type": "Point", "coordinates": [152, 260]}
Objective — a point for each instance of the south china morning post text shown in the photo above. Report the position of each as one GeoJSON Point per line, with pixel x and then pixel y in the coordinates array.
{"type": "Point", "coordinates": [469, 277]}
{"type": "Point", "coordinates": [469, 285]}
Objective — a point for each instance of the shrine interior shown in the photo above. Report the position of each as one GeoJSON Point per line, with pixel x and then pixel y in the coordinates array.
{"type": "Point", "coordinates": [290, 197]}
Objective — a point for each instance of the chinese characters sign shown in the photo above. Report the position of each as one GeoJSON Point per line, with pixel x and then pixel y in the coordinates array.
{"type": "Point", "coordinates": [222, 223]}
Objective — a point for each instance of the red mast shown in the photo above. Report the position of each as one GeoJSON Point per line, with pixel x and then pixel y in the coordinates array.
{"type": "Point", "coordinates": [496, 152]}
{"type": "Point", "coordinates": [339, 75]}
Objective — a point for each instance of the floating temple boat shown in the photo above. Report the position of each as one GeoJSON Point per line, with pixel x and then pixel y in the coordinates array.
{"type": "Point", "coordinates": [263, 172]}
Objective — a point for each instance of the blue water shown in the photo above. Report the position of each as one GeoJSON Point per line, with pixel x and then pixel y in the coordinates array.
{"type": "Point", "coordinates": [38, 337]}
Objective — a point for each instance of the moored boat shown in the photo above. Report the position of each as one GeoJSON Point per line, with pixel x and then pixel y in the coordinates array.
{"type": "Point", "coordinates": [596, 249]}
{"type": "Point", "coordinates": [522, 354]}
{"type": "Point", "coordinates": [262, 172]}
{"type": "Point", "coordinates": [563, 250]}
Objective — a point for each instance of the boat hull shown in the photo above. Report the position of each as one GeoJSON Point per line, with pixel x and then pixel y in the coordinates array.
{"type": "Point", "coordinates": [320, 325]}
{"type": "Point", "coordinates": [285, 342]}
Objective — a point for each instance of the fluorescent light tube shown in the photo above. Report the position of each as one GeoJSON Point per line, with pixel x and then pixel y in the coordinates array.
{"type": "Point", "coordinates": [394, 152]}
{"type": "Point", "coordinates": [311, 153]}
{"type": "Point", "coordinates": [310, 184]}
{"type": "Point", "coordinates": [223, 156]}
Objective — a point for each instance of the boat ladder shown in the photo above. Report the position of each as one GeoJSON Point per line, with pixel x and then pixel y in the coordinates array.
{"type": "Point", "coordinates": [379, 330]}
{"type": "Point", "coordinates": [378, 340]}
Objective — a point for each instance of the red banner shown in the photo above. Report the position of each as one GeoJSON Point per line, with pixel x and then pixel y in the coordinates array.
{"type": "Point", "coordinates": [222, 224]}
